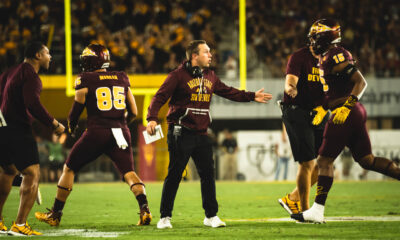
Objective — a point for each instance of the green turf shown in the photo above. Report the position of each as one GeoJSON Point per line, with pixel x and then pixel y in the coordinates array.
{"type": "Point", "coordinates": [110, 207]}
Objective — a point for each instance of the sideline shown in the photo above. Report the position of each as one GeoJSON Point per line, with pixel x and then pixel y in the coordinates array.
{"type": "Point", "coordinates": [82, 233]}
{"type": "Point", "coordinates": [327, 219]}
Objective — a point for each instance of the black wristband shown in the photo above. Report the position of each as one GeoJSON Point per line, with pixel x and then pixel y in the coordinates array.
{"type": "Point", "coordinates": [351, 101]}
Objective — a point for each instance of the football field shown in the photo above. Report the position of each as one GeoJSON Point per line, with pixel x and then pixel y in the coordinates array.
{"type": "Point", "coordinates": [355, 210]}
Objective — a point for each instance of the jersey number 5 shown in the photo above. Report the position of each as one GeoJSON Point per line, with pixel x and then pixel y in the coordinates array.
{"type": "Point", "coordinates": [106, 100]}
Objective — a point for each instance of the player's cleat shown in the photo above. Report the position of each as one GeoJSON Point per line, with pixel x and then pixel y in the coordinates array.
{"type": "Point", "coordinates": [164, 223]}
{"type": "Point", "coordinates": [25, 230]}
{"type": "Point", "coordinates": [213, 222]}
{"type": "Point", "coordinates": [145, 215]}
{"type": "Point", "coordinates": [292, 207]}
{"type": "Point", "coordinates": [3, 228]}
{"type": "Point", "coordinates": [39, 197]}
{"type": "Point", "coordinates": [313, 215]}
{"type": "Point", "coordinates": [52, 218]}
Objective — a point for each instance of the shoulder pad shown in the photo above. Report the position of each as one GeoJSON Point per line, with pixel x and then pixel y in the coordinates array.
{"type": "Point", "coordinates": [338, 55]}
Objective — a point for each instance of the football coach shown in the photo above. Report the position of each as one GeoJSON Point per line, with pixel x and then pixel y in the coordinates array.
{"type": "Point", "coordinates": [190, 87]}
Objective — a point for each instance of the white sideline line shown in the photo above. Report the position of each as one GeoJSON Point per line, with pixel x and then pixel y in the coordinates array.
{"type": "Point", "coordinates": [328, 219]}
{"type": "Point", "coordinates": [90, 233]}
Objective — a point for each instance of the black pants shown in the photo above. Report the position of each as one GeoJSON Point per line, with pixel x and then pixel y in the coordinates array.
{"type": "Point", "coordinates": [189, 144]}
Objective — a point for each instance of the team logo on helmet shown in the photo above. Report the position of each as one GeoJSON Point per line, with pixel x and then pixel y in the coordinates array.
{"type": "Point", "coordinates": [322, 34]}
{"type": "Point", "coordinates": [88, 52]}
{"type": "Point", "coordinates": [318, 27]}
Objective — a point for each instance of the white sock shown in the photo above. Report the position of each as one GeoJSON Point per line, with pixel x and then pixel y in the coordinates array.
{"type": "Point", "coordinates": [20, 225]}
{"type": "Point", "coordinates": [318, 207]}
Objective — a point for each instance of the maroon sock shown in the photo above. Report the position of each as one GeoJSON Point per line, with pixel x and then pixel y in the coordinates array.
{"type": "Point", "coordinates": [142, 199]}
{"type": "Point", "coordinates": [323, 187]}
{"type": "Point", "coordinates": [58, 205]}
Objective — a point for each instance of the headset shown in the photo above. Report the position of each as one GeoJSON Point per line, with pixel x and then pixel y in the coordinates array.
{"type": "Point", "coordinates": [195, 71]}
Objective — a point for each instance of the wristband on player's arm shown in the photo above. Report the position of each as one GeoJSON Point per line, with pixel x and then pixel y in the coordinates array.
{"type": "Point", "coordinates": [341, 113]}
{"type": "Point", "coordinates": [74, 114]}
{"type": "Point", "coordinates": [350, 102]}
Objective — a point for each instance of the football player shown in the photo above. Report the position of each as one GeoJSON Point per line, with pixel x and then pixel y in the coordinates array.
{"type": "Point", "coordinates": [20, 89]}
{"type": "Point", "coordinates": [303, 95]}
{"type": "Point", "coordinates": [344, 85]}
{"type": "Point", "coordinates": [106, 96]}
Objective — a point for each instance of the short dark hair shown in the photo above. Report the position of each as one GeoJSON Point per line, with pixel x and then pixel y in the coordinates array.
{"type": "Point", "coordinates": [193, 47]}
{"type": "Point", "coordinates": [32, 48]}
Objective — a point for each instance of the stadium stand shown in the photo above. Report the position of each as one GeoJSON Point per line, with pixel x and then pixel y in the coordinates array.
{"type": "Point", "coordinates": [141, 35]}
{"type": "Point", "coordinates": [149, 36]}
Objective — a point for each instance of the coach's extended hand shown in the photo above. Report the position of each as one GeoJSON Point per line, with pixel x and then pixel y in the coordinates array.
{"type": "Point", "coordinates": [319, 116]}
{"type": "Point", "coordinates": [341, 113]}
{"type": "Point", "coordinates": [262, 97]}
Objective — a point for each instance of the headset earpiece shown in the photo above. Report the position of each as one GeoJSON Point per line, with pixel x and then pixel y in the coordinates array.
{"type": "Point", "coordinates": [195, 71]}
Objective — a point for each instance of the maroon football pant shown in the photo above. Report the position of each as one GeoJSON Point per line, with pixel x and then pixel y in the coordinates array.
{"type": "Point", "coordinates": [97, 141]}
{"type": "Point", "coordinates": [353, 134]}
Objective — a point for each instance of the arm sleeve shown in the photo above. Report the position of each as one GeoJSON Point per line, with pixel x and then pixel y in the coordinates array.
{"type": "Point", "coordinates": [232, 93]}
{"type": "Point", "coordinates": [74, 114]}
{"type": "Point", "coordinates": [31, 94]}
{"type": "Point", "coordinates": [163, 94]}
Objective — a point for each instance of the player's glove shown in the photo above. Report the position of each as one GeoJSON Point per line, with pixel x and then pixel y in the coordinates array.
{"type": "Point", "coordinates": [341, 113]}
{"type": "Point", "coordinates": [320, 113]}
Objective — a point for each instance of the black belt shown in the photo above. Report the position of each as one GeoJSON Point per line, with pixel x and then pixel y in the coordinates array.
{"type": "Point", "coordinates": [171, 126]}
{"type": "Point", "coordinates": [291, 106]}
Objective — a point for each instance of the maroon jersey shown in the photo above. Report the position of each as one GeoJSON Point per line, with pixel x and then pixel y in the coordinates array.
{"type": "Point", "coordinates": [191, 97]}
{"type": "Point", "coordinates": [353, 132]}
{"type": "Point", "coordinates": [335, 86]}
{"type": "Point", "coordinates": [106, 98]}
{"type": "Point", "coordinates": [309, 89]}
{"type": "Point", "coordinates": [20, 89]}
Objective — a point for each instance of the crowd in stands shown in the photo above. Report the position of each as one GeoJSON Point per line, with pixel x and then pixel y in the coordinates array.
{"type": "Point", "coordinates": [149, 36]}
{"type": "Point", "coordinates": [370, 31]}
{"type": "Point", "coordinates": [142, 36]}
